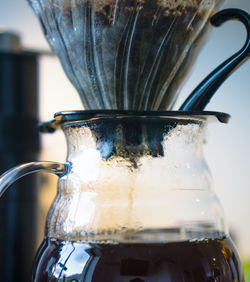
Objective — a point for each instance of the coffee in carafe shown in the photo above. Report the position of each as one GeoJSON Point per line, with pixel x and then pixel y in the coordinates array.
{"type": "Point", "coordinates": [203, 260]}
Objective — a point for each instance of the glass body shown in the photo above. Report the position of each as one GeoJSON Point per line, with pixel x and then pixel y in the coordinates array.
{"type": "Point", "coordinates": [136, 204]}
{"type": "Point", "coordinates": [126, 55]}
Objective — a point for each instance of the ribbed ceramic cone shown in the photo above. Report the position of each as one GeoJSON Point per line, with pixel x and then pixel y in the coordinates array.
{"type": "Point", "coordinates": [125, 54]}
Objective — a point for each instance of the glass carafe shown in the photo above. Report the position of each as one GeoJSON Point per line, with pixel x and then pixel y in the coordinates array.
{"type": "Point", "coordinates": [135, 202]}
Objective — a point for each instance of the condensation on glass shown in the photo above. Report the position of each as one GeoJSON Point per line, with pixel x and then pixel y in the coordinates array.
{"type": "Point", "coordinates": [135, 179]}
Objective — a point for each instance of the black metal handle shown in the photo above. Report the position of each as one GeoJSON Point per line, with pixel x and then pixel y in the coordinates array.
{"type": "Point", "coordinates": [202, 94]}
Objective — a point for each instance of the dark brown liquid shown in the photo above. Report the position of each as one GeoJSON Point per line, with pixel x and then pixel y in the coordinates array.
{"type": "Point", "coordinates": [207, 260]}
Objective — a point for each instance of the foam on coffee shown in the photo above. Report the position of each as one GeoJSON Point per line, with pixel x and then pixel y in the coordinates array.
{"type": "Point", "coordinates": [170, 4]}
{"type": "Point", "coordinates": [173, 6]}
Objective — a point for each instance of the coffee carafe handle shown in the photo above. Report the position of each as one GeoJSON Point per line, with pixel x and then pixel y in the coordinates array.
{"type": "Point", "coordinates": [202, 94]}
{"type": "Point", "coordinates": [13, 174]}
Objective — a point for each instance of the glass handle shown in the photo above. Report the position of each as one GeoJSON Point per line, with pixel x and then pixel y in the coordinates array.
{"type": "Point", "coordinates": [12, 175]}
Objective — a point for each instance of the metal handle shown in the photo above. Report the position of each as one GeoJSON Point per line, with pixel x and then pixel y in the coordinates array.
{"type": "Point", "coordinates": [12, 175]}
{"type": "Point", "coordinates": [202, 94]}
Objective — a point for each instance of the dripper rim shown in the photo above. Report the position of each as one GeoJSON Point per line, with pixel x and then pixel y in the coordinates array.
{"type": "Point", "coordinates": [85, 115]}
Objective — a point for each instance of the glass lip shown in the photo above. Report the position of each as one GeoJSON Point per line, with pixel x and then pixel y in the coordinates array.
{"type": "Point", "coordinates": [86, 115]}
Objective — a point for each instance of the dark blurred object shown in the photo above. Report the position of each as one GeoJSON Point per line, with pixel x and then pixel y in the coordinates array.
{"type": "Point", "coordinates": [19, 142]}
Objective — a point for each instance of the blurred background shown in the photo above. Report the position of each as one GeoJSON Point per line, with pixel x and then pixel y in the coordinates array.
{"type": "Point", "coordinates": [228, 147]}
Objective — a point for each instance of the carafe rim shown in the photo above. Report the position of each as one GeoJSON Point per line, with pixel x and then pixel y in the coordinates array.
{"type": "Point", "coordinates": [85, 115]}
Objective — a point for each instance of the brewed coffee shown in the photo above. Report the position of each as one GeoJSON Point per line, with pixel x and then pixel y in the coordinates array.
{"type": "Point", "coordinates": [203, 260]}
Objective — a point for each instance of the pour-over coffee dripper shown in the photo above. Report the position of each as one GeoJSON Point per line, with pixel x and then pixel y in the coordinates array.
{"type": "Point", "coordinates": [126, 55]}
